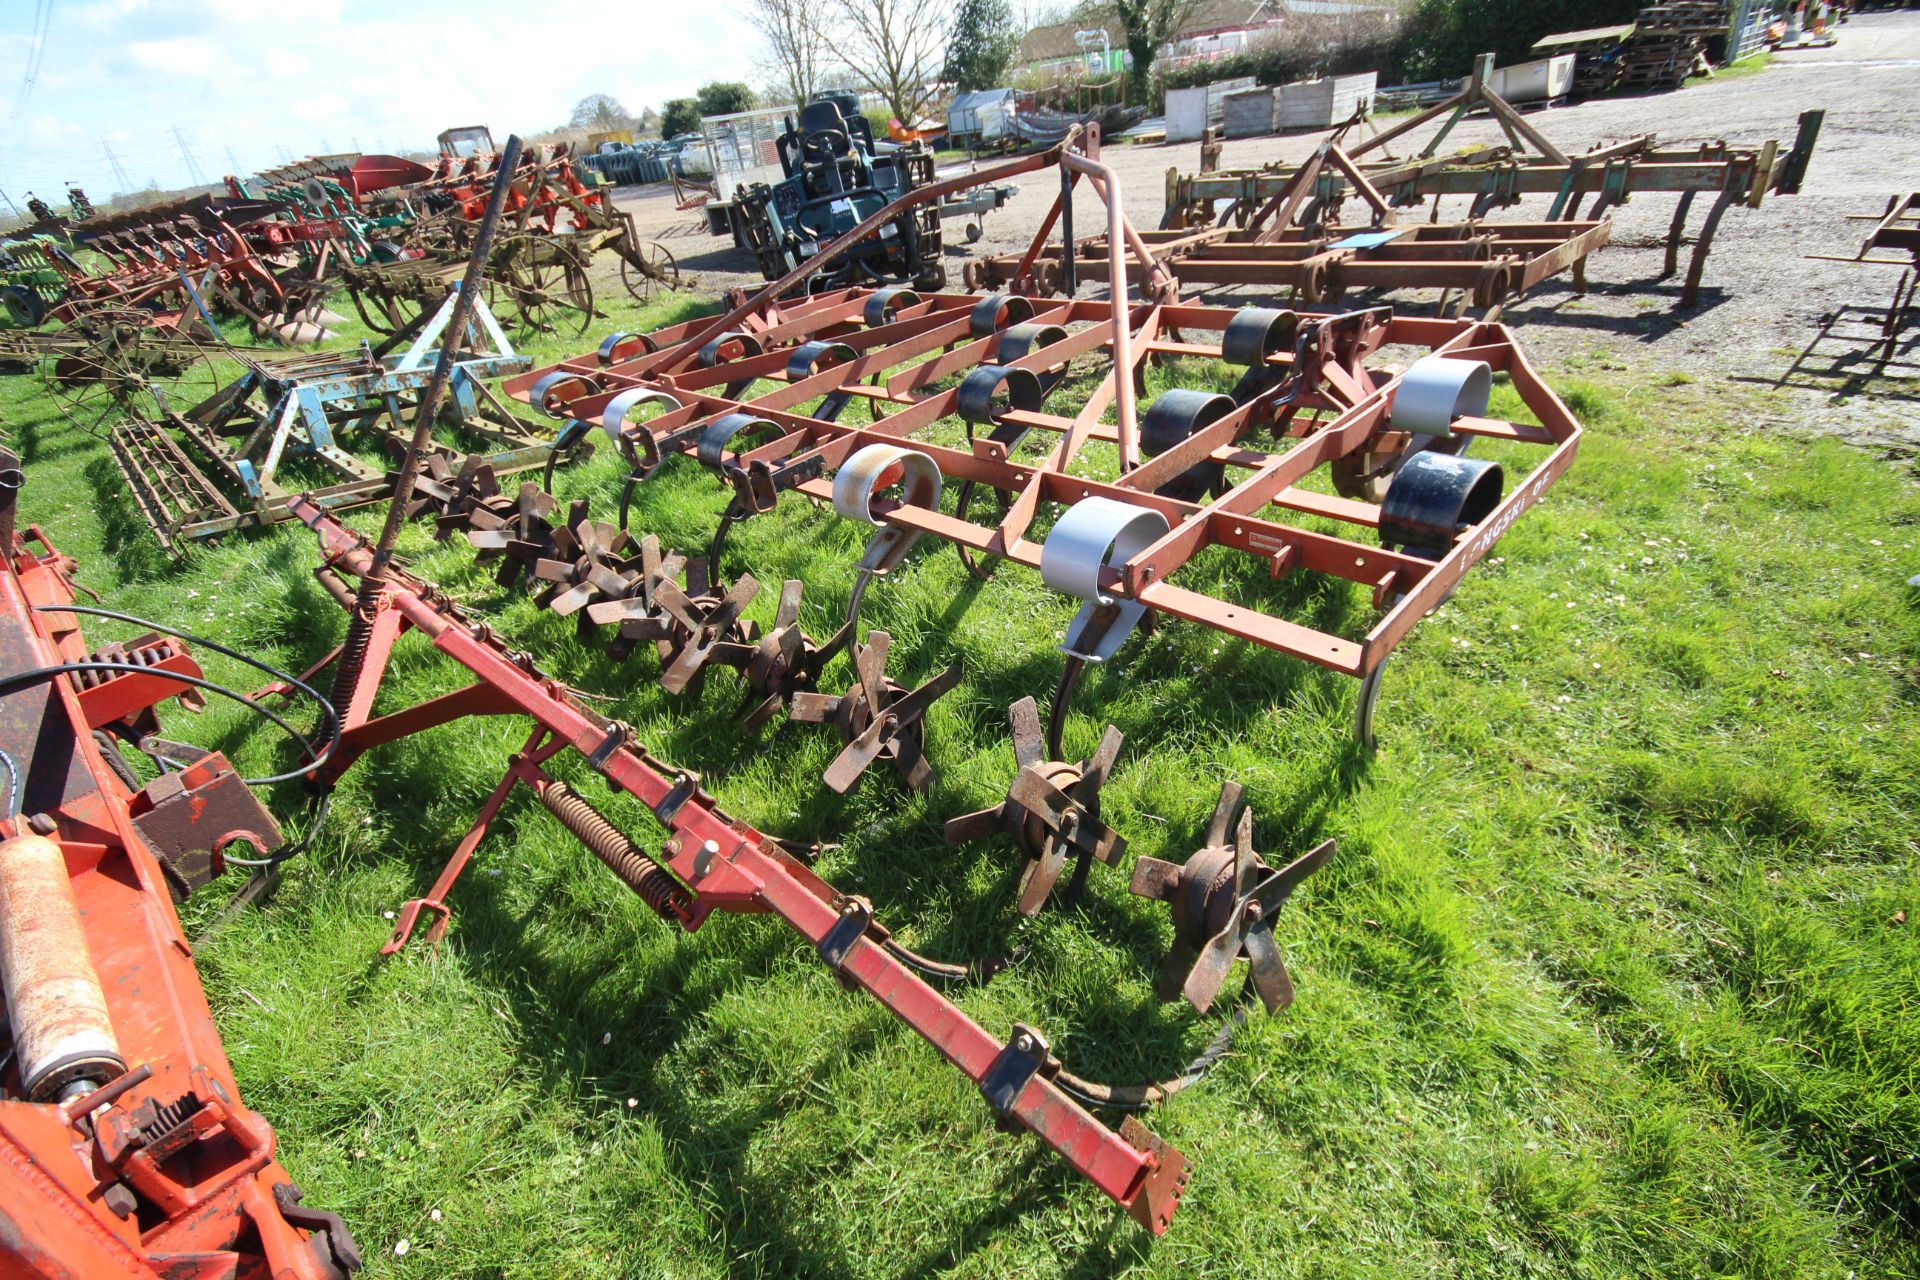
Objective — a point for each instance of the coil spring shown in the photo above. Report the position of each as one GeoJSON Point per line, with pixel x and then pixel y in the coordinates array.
{"type": "Point", "coordinates": [606, 842]}
{"type": "Point", "coordinates": [353, 652]}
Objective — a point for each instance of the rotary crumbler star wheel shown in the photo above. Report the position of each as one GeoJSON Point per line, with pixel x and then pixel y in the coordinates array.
{"type": "Point", "coordinates": [518, 532]}
{"type": "Point", "coordinates": [539, 284]}
{"type": "Point", "coordinates": [784, 662]}
{"type": "Point", "coordinates": [660, 270]}
{"type": "Point", "coordinates": [1052, 810]}
{"type": "Point", "coordinates": [453, 493]}
{"type": "Point", "coordinates": [585, 565]}
{"type": "Point", "coordinates": [878, 717]}
{"type": "Point", "coordinates": [706, 624]}
{"type": "Point", "coordinates": [637, 611]}
{"type": "Point", "coordinates": [1224, 900]}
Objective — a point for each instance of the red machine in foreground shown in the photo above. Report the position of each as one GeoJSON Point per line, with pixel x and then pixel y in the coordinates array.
{"type": "Point", "coordinates": [125, 1148]}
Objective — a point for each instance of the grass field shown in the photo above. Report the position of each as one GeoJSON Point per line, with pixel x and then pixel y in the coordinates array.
{"type": "Point", "coordinates": [1612, 974]}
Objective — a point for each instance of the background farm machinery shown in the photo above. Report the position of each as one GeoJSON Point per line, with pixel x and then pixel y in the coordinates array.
{"type": "Point", "coordinates": [34, 279]}
{"type": "Point", "coordinates": [312, 411]}
{"type": "Point", "coordinates": [1500, 177]}
{"type": "Point", "coordinates": [538, 276]}
{"type": "Point", "coordinates": [126, 1148]}
{"type": "Point", "coordinates": [836, 178]}
{"type": "Point", "coordinates": [108, 364]}
{"type": "Point", "coordinates": [1892, 241]}
{"type": "Point", "coordinates": [1473, 263]}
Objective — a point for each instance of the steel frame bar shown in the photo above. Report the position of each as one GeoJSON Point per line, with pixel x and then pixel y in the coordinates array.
{"type": "Point", "coordinates": [726, 865]}
{"type": "Point", "coordinates": [1895, 232]}
{"type": "Point", "coordinates": [1488, 262]}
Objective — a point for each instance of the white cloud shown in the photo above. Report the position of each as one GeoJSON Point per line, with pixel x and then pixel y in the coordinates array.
{"type": "Point", "coordinates": [242, 75]}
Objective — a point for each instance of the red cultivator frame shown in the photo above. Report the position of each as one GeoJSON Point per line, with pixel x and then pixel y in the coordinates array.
{"type": "Point", "coordinates": [956, 390]}
{"type": "Point", "coordinates": [125, 1150]}
{"type": "Point", "coordinates": [708, 862]}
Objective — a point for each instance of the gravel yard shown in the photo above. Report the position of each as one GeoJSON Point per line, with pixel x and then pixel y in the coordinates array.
{"type": "Point", "coordinates": [1762, 299]}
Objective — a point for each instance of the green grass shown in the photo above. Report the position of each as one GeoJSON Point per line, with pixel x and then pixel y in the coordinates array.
{"type": "Point", "coordinates": [1607, 979]}
{"type": "Point", "coordinates": [1751, 65]}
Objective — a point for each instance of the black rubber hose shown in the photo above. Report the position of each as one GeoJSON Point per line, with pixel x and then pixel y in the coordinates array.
{"type": "Point", "coordinates": [1139, 1097]}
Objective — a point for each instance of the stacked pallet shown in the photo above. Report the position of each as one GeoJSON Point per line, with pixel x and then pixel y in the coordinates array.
{"type": "Point", "coordinates": [1668, 41]}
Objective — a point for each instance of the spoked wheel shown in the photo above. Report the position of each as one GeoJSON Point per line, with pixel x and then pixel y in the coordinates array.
{"type": "Point", "coordinates": [661, 270]}
{"type": "Point", "coordinates": [193, 373]}
{"type": "Point", "coordinates": [538, 284]}
{"type": "Point", "coordinates": [98, 388]}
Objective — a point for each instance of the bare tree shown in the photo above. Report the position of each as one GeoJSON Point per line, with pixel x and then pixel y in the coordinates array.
{"type": "Point", "coordinates": [897, 47]}
{"type": "Point", "coordinates": [798, 43]}
{"type": "Point", "coordinates": [600, 112]}
{"type": "Point", "coordinates": [1149, 24]}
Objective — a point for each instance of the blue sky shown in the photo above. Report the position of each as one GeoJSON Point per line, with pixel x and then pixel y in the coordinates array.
{"type": "Point", "coordinates": [259, 79]}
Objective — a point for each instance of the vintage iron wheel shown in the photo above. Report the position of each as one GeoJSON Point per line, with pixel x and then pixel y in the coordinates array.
{"type": "Point", "coordinates": [661, 270]}
{"type": "Point", "coordinates": [538, 284]}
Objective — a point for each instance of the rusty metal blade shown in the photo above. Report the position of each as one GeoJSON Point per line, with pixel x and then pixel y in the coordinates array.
{"type": "Point", "coordinates": [871, 664]}
{"type": "Point", "coordinates": [1041, 875]}
{"type": "Point", "coordinates": [1029, 740]}
{"type": "Point", "coordinates": [975, 826]}
{"type": "Point", "coordinates": [1223, 813]}
{"type": "Point", "coordinates": [1211, 966]}
{"type": "Point", "coordinates": [1269, 971]}
{"type": "Point", "coordinates": [1153, 878]}
{"type": "Point", "coordinates": [1278, 887]}
{"type": "Point", "coordinates": [1100, 764]}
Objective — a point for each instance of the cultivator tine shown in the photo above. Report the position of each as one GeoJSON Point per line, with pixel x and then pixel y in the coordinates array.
{"type": "Point", "coordinates": [1224, 900]}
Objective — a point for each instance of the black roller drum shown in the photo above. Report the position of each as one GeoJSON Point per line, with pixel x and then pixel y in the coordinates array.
{"type": "Point", "coordinates": [1255, 333]}
{"type": "Point", "coordinates": [996, 311]}
{"type": "Point", "coordinates": [1176, 415]}
{"type": "Point", "coordinates": [1433, 496]}
{"type": "Point", "coordinates": [810, 358]}
{"type": "Point", "coordinates": [1023, 339]}
{"type": "Point", "coordinates": [884, 303]}
{"type": "Point", "coordinates": [992, 389]}
{"type": "Point", "coordinates": [710, 354]}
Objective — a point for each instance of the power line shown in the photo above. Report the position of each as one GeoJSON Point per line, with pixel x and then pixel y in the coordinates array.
{"type": "Point", "coordinates": [186, 154]}
{"type": "Point", "coordinates": [119, 172]}
{"type": "Point", "coordinates": [36, 52]}
{"type": "Point", "coordinates": [234, 161]}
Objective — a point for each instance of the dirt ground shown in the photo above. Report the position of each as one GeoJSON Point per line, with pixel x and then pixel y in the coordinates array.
{"type": "Point", "coordinates": [1762, 300]}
